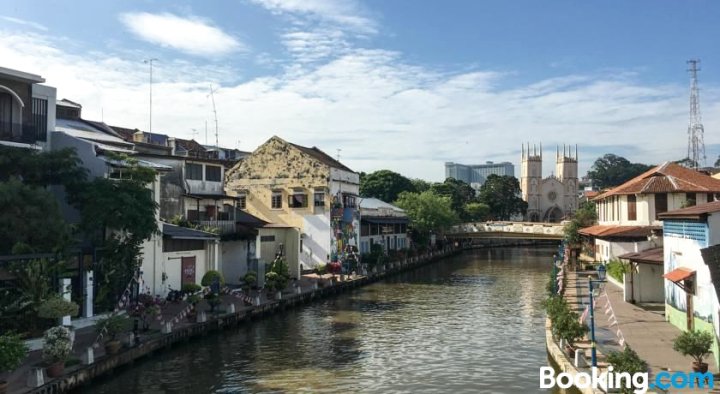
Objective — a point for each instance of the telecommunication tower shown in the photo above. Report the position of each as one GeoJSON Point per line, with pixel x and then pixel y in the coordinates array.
{"type": "Point", "coordinates": [696, 143]}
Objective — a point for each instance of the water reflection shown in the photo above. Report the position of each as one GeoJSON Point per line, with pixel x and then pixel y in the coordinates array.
{"type": "Point", "coordinates": [472, 323]}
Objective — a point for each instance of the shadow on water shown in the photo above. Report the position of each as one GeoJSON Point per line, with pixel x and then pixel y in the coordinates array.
{"type": "Point", "coordinates": [472, 323]}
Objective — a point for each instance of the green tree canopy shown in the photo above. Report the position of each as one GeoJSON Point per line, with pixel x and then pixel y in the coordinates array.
{"type": "Point", "coordinates": [385, 185]}
{"type": "Point", "coordinates": [459, 193]}
{"type": "Point", "coordinates": [428, 211]}
{"type": "Point", "coordinates": [612, 170]}
{"type": "Point", "coordinates": [476, 211]}
{"type": "Point", "coordinates": [502, 195]}
{"type": "Point", "coordinates": [421, 185]}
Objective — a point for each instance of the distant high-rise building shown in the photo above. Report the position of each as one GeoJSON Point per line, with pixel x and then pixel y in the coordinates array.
{"type": "Point", "coordinates": [476, 174]}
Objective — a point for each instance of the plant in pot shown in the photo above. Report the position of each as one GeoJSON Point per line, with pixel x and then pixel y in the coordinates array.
{"type": "Point", "coordinates": [56, 349]}
{"type": "Point", "coordinates": [627, 361]}
{"type": "Point", "coordinates": [250, 280]}
{"type": "Point", "coordinates": [213, 300]}
{"type": "Point", "coordinates": [112, 326]}
{"type": "Point", "coordinates": [12, 354]}
{"type": "Point", "coordinates": [696, 344]}
{"type": "Point", "coordinates": [213, 279]}
{"type": "Point", "coordinates": [55, 308]}
{"type": "Point", "coordinates": [193, 300]}
{"type": "Point", "coordinates": [568, 328]}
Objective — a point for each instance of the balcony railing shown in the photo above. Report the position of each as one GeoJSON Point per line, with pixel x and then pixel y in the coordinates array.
{"type": "Point", "coordinates": [17, 132]}
{"type": "Point", "coordinates": [224, 226]}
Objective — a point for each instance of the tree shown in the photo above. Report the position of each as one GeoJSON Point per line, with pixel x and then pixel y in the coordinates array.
{"type": "Point", "coordinates": [476, 211]}
{"type": "Point", "coordinates": [502, 195]}
{"type": "Point", "coordinates": [421, 185]}
{"type": "Point", "coordinates": [687, 162]}
{"type": "Point", "coordinates": [459, 192]}
{"type": "Point", "coordinates": [717, 162]}
{"type": "Point", "coordinates": [612, 170]}
{"type": "Point", "coordinates": [385, 185]}
{"type": "Point", "coordinates": [427, 212]}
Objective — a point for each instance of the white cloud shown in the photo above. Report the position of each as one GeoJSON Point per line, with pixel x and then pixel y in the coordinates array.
{"type": "Point", "coordinates": [190, 35]}
{"type": "Point", "coordinates": [347, 14]}
{"type": "Point", "coordinates": [381, 111]}
{"type": "Point", "coordinates": [23, 22]}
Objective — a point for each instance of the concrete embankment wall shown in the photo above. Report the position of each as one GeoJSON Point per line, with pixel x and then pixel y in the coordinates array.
{"type": "Point", "coordinates": [85, 374]}
{"type": "Point", "coordinates": [561, 362]}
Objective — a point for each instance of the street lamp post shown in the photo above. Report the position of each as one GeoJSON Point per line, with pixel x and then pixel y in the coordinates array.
{"type": "Point", "coordinates": [601, 271]}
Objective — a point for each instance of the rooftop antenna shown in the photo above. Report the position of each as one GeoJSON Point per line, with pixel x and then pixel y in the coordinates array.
{"type": "Point", "coordinates": [206, 140]}
{"type": "Point", "coordinates": [338, 154]}
{"type": "Point", "coordinates": [150, 62]}
{"type": "Point", "coordinates": [696, 143]}
{"type": "Point", "coordinates": [212, 96]}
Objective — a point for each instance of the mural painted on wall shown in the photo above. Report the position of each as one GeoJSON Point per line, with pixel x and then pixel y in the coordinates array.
{"type": "Point", "coordinates": [676, 297]}
{"type": "Point", "coordinates": [345, 223]}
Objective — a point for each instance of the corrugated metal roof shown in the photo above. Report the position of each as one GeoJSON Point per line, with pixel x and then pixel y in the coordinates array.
{"type": "Point", "coordinates": [650, 256]}
{"type": "Point", "coordinates": [693, 212]}
{"type": "Point", "coordinates": [666, 178]}
{"type": "Point", "coordinates": [603, 231]}
{"type": "Point", "coordinates": [375, 203]}
{"type": "Point", "coordinates": [178, 232]}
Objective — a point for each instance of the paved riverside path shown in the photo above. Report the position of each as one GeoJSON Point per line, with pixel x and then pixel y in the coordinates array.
{"type": "Point", "coordinates": [645, 331]}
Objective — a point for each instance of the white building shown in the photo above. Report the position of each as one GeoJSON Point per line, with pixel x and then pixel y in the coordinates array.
{"type": "Point", "coordinates": [382, 224]}
{"type": "Point", "coordinates": [553, 198]}
{"type": "Point", "coordinates": [27, 110]}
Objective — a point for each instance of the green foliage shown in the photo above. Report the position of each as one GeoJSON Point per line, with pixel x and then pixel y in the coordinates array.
{"type": "Point", "coordinates": [33, 285]}
{"type": "Point", "coordinates": [56, 344]}
{"type": "Point", "coordinates": [571, 233]}
{"type": "Point", "coordinates": [612, 170]}
{"type": "Point", "coordinates": [627, 361]}
{"type": "Point", "coordinates": [385, 185]}
{"type": "Point", "coordinates": [421, 185]}
{"type": "Point", "coordinates": [32, 221]}
{"type": "Point", "coordinates": [250, 278]}
{"type": "Point", "coordinates": [565, 322]}
{"type": "Point", "coordinates": [428, 211]}
{"type": "Point", "coordinates": [58, 167]}
{"type": "Point", "coordinates": [210, 277]}
{"type": "Point", "coordinates": [375, 257]}
{"type": "Point", "coordinates": [113, 325]}
{"type": "Point", "coordinates": [459, 193]}
{"type": "Point", "coordinates": [616, 269]}
{"type": "Point", "coordinates": [56, 307]}
{"type": "Point", "coordinates": [696, 344]}
{"type": "Point", "coordinates": [190, 288]}
{"type": "Point", "coordinates": [584, 216]}
{"type": "Point", "coordinates": [476, 211]}
{"type": "Point", "coordinates": [12, 352]}
{"type": "Point", "coordinates": [321, 269]}
{"type": "Point", "coordinates": [502, 195]}
{"type": "Point", "coordinates": [278, 276]}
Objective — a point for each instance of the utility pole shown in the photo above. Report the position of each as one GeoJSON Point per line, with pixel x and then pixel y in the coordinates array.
{"type": "Point", "coordinates": [696, 143]}
{"type": "Point", "coordinates": [212, 96]}
{"type": "Point", "coordinates": [150, 61]}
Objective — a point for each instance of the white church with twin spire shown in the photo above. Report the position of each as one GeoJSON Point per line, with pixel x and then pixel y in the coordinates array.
{"type": "Point", "coordinates": [554, 198]}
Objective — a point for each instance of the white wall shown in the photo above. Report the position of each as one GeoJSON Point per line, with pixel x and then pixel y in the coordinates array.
{"type": "Point", "coordinates": [607, 250]}
{"type": "Point", "coordinates": [645, 284]}
{"type": "Point", "coordinates": [234, 260]}
{"type": "Point", "coordinates": [315, 239]}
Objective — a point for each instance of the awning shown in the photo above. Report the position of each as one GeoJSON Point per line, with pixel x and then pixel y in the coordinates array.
{"type": "Point", "coordinates": [210, 196]}
{"type": "Point", "coordinates": [650, 256]}
{"type": "Point", "coordinates": [384, 220]}
{"type": "Point", "coordinates": [679, 274]}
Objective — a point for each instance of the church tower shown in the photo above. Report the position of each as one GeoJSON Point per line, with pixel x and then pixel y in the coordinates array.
{"type": "Point", "coordinates": [530, 179]}
{"type": "Point", "coordinates": [566, 168]}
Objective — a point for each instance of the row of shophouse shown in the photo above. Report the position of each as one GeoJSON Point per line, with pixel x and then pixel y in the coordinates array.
{"type": "Point", "coordinates": [233, 211]}
{"type": "Point", "coordinates": [665, 226]}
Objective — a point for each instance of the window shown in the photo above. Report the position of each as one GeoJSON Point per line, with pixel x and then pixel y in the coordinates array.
{"type": "Point", "coordinates": [297, 201]}
{"type": "Point", "coordinates": [267, 238]}
{"type": "Point", "coordinates": [632, 207]}
{"type": "Point", "coordinates": [276, 200]}
{"type": "Point", "coordinates": [181, 245]}
{"type": "Point", "coordinates": [364, 229]}
{"type": "Point", "coordinates": [213, 173]}
{"type": "Point", "coordinates": [690, 199]}
{"type": "Point", "coordinates": [348, 201]}
{"type": "Point", "coordinates": [242, 201]}
{"type": "Point", "coordinates": [193, 171]}
{"type": "Point", "coordinates": [320, 200]}
{"type": "Point", "coordinates": [39, 118]}
{"type": "Point", "coordinates": [660, 203]}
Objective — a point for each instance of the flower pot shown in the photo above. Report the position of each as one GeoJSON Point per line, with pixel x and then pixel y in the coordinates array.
{"type": "Point", "coordinates": [55, 370]}
{"type": "Point", "coordinates": [570, 351]}
{"type": "Point", "coordinates": [699, 367]}
{"type": "Point", "coordinates": [112, 347]}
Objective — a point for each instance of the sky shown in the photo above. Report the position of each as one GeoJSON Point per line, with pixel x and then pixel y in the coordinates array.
{"type": "Point", "coordinates": [405, 85]}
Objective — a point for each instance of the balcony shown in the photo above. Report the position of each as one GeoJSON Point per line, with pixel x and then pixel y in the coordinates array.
{"type": "Point", "coordinates": [17, 132]}
{"type": "Point", "coordinates": [223, 227]}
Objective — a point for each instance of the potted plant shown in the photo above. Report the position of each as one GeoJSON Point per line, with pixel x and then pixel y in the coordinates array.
{"type": "Point", "coordinates": [213, 300]}
{"type": "Point", "coordinates": [144, 309]}
{"type": "Point", "coordinates": [212, 278]}
{"type": "Point", "coordinates": [191, 288]}
{"type": "Point", "coordinates": [250, 280]}
{"type": "Point", "coordinates": [696, 344]}
{"type": "Point", "coordinates": [56, 349]}
{"type": "Point", "coordinates": [193, 300]}
{"type": "Point", "coordinates": [112, 326]}
{"type": "Point", "coordinates": [12, 354]}
{"type": "Point", "coordinates": [55, 308]}
{"type": "Point", "coordinates": [568, 328]}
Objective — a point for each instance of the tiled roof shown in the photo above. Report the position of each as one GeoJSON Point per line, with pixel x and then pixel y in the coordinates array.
{"type": "Point", "coordinates": [322, 157]}
{"type": "Point", "coordinates": [125, 133]}
{"type": "Point", "coordinates": [666, 178]}
{"type": "Point", "coordinates": [693, 212]}
{"type": "Point", "coordinates": [650, 256]}
{"type": "Point", "coordinates": [193, 148]}
{"type": "Point", "coordinates": [607, 231]}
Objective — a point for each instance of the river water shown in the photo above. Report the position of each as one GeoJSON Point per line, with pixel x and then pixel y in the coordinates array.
{"type": "Point", "coordinates": [471, 323]}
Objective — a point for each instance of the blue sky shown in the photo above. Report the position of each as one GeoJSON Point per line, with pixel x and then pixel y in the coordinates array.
{"type": "Point", "coordinates": [401, 84]}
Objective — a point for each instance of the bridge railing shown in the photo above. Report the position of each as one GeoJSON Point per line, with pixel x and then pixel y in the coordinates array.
{"type": "Point", "coordinates": [508, 227]}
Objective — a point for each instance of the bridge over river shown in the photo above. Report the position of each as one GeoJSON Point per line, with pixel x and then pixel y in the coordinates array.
{"type": "Point", "coordinates": [507, 230]}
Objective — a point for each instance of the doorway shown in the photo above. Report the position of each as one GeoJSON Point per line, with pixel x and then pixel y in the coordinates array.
{"type": "Point", "coordinates": [188, 270]}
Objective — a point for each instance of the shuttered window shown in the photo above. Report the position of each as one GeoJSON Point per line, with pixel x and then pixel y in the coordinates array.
{"type": "Point", "coordinates": [632, 207]}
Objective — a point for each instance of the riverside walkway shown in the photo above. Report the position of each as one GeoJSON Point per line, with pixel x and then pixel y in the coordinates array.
{"type": "Point", "coordinates": [644, 330]}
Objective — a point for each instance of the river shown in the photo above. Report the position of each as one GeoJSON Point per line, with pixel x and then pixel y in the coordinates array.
{"type": "Point", "coordinates": [470, 323]}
